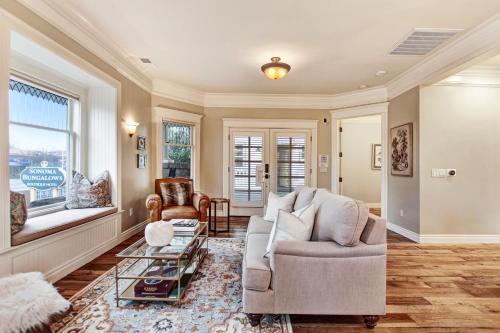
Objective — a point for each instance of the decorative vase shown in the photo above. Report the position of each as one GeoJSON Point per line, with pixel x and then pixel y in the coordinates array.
{"type": "Point", "coordinates": [159, 233]}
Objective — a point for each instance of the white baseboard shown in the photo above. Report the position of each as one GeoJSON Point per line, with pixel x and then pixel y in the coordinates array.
{"type": "Point", "coordinates": [460, 239]}
{"type": "Point", "coordinates": [132, 231]}
{"type": "Point", "coordinates": [404, 232]}
{"type": "Point", "coordinates": [374, 205]}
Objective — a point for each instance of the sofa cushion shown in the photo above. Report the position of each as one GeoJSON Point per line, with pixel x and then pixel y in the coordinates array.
{"type": "Point", "coordinates": [292, 226]}
{"type": "Point", "coordinates": [177, 193]}
{"type": "Point", "coordinates": [275, 203]}
{"type": "Point", "coordinates": [179, 212]}
{"type": "Point", "coordinates": [339, 218]}
{"type": "Point", "coordinates": [45, 225]}
{"type": "Point", "coordinates": [305, 195]}
{"type": "Point", "coordinates": [84, 193]}
{"type": "Point", "coordinates": [257, 272]}
{"type": "Point", "coordinates": [258, 225]}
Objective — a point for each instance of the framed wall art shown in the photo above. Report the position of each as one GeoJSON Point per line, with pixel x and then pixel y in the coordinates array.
{"type": "Point", "coordinates": [402, 150]}
{"type": "Point", "coordinates": [141, 142]}
{"type": "Point", "coordinates": [142, 161]}
{"type": "Point", "coordinates": [376, 156]}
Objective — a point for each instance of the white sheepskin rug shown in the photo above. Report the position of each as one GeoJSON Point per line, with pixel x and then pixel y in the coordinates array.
{"type": "Point", "coordinates": [27, 300]}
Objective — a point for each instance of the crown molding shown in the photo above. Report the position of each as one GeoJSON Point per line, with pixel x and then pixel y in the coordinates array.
{"type": "Point", "coordinates": [64, 18]}
{"type": "Point", "coordinates": [271, 101]}
{"type": "Point", "coordinates": [177, 92]}
{"type": "Point", "coordinates": [295, 101]}
{"type": "Point", "coordinates": [473, 43]}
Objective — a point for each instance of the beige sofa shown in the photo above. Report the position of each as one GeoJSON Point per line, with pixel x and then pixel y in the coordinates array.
{"type": "Point", "coordinates": [319, 276]}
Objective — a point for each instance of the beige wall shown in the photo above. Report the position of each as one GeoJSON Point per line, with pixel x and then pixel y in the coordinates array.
{"type": "Point", "coordinates": [135, 105]}
{"type": "Point", "coordinates": [460, 128]}
{"type": "Point", "coordinates": [403, 192]}
{"type": "Point", "coordinates": [359, 180]}
{"type": "Point", "coordinates": [212, 140]}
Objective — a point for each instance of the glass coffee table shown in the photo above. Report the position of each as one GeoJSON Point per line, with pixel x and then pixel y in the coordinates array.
{"type": "Point", "coordinates": [161, 273]}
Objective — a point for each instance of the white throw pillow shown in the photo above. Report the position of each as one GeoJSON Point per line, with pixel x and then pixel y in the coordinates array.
{"type": "Point", "coordinates": [292, 226]}
{"type": "Point", "coordinates": [275, 203]}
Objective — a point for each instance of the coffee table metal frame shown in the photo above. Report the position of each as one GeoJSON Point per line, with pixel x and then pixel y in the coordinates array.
{"type": "Point", "coordinates": [186, 267]}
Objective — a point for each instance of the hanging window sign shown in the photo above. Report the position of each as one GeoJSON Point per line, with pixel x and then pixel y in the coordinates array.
{"type": "Point", "coordinates": [43, 178]}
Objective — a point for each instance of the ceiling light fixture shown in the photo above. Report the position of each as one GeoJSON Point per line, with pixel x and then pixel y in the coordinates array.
{"type": "Point", "coordinates": [381, 72]}
{"type": "Point", "coordinates": [275, 70]}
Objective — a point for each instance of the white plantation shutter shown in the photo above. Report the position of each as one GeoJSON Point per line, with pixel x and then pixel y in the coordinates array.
{"type": "Point", "coordinates": [247, 155]}
{"type": "Point", "coordinates": [291, 162]}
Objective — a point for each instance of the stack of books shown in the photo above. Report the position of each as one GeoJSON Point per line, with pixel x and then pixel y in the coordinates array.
{"type": "Point", "coordinates": [156, 288]}
{"type": "Point", "coordinates": [185, 225]}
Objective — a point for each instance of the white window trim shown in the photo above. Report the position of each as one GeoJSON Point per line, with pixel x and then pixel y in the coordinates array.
{"type": "Point", "coordinates": [74, 128]}
{"type": "Point", "coordinates": [362, 111]}
{"type": "Point", "coordinates": [160, 115]}
{"type": "Point", "coordinates": [229, 123]}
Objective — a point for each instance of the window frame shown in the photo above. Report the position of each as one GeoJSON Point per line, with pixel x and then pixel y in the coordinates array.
{"type": "Point", "coordinates": [162, 114]}
{"type": "Point", "coordinates": [72, 131]}
{"type": "Point", "coordinates": [191, 146]}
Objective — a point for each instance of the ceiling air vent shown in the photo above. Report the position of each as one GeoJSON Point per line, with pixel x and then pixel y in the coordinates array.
{"type": "Point", "coordinates": [145, 60]}
{"type": "Point", "coordinates": [422, 41]}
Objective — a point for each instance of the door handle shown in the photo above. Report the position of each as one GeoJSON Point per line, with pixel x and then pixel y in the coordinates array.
{"type": "Point", "coordinates": [266, 170]}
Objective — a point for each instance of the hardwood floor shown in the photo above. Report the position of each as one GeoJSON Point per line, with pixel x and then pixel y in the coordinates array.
{"type": "Point", "coordinates": [430, 288]}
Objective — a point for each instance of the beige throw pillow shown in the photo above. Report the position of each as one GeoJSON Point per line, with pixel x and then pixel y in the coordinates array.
{"type": "Point", "coordinates": [292, 226]}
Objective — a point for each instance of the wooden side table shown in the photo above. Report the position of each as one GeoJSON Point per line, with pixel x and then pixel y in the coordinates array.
{"type": "Point", "coordinates": [216, 201]}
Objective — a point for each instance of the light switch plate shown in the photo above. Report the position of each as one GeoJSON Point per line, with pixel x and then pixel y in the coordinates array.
{"type": "Point", "coordinates": [439, 173]}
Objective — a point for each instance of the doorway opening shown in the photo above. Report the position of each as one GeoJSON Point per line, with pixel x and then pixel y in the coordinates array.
{"type": "Point", "coordinates": [359, 148]}
{"type": "Point", "coordinates": [360, 159]}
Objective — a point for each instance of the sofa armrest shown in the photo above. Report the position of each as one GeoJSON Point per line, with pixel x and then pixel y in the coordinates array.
{"type": "Point", "coordinates": [153, 204]}
{"type": "Point", "coordinates": [200, 203]}
{"type": "Point", "coordinates": [375, 231]}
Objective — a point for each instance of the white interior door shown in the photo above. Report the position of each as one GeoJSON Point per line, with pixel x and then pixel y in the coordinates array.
{"type": "Point", "coordinates": [290, 160]}
{"type": "Point", "coordinates": [263, 160]}
{"type": "Point", "coordinates": [248, 183]}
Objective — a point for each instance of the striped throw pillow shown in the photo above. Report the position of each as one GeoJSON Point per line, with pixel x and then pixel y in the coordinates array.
{"type": "Point", "coordinates": [177, 194]}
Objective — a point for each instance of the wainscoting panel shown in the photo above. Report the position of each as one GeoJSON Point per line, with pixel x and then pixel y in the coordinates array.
{"type": "Point", "coordinates": [60, 254]}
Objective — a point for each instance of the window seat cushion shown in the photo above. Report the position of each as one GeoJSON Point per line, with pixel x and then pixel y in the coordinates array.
{"type": "Point", "coordinates": [41, 226]}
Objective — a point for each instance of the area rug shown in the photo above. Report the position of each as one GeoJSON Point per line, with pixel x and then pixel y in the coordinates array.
{"type": "Point", "coordinates": [212, 303]}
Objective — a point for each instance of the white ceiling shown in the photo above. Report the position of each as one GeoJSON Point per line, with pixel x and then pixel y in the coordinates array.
{"type": "Point", "coordinates": [218, 46]}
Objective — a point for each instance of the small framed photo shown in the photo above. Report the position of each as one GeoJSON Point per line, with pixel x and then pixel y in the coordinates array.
{"type": "Point", "coordinates": [376, 156]}
{"type": "Point", "coordinates": [141, 142]}
{"type": "Point", "coordinates": [142, 160]}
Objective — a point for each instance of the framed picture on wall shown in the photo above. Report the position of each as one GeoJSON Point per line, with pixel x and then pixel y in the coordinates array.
{"type": "Point", "coordinates": [142, 161]}
{"type": "Point", "coordinates": [376, 156]}
{"type": "Point", "coordinates": [141, 142]}
{"type": "Point", "coordinates": [402, 150]}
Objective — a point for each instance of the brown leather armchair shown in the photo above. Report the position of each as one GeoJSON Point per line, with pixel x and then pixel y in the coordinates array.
{"type": "Point", "coordinates": [158, 210]}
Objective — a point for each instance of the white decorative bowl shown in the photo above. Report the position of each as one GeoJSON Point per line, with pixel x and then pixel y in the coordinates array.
{"type": "Point", "coordinates": [159, 233]}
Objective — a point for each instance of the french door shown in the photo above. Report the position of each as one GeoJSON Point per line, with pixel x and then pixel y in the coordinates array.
{"type": "Point", "coordinates": [263, 160]}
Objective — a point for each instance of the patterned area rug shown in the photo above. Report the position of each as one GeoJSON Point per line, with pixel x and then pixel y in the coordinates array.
{"type": "Point", "coordinates": [212, 303]}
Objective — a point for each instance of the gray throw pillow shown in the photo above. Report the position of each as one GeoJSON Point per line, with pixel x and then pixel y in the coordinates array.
{"type": "Point", "coordinates": [305, 195]}
{"type": "Point", "coordinates": [86, 194]}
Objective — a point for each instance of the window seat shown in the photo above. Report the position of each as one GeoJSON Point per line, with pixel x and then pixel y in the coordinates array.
{"type": "Point", "coordinates": [45, 225]}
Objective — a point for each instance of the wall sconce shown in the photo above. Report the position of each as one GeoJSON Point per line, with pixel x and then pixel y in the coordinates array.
{"type": "Point", "coordinates": [131, 127]}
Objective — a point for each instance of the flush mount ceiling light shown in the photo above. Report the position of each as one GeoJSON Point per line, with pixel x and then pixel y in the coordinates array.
{"type": "Point", "coordinates": [275, 70]}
